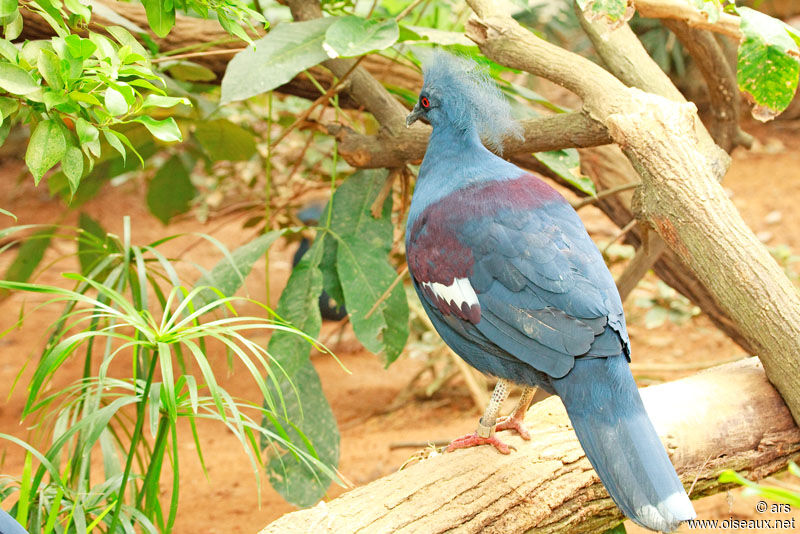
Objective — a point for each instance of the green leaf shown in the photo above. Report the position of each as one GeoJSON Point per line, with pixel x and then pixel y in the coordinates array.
{"type": "Point", "coordinates": [229, 274]}
{"type": "Point", "coordinates": [16, 80]}
{"type": "Point", "coordinates": [566, 163]}
{"type": "Point", "coordinates": [365, 275]}
{"type": "Point", "coordinates": [353, 36]}
{"type": "Point", "coordinates": [297, 482]}
{"type": "Point", "coordinates": [160, 101]}
{"type": "Point", "coordinates": [330, 276]}
{"type": "Point", "coordinates": [352, 209]}
{"type": "Point", "coordinates": [72, 166]}
{"type": "Point", "coordinates": [223, 140]}
{"type": "Point", "coordinates": [115, 143]}
{"type": "Point", "coordinates": [767, 66]}
{"type": "Point", "coordinates": [191, 72]}
{"type": "Point", "coordinates": [79, 47]}
{"type": "Point", "coordinates": [88, 254]}
{"type": "Point", "coordinates": [619, 529]}
{"type": "Point", "coordinates": [105, 48]}
{"type": "Point", "coordinates": [8, 106]}
{"type": "Point", "coordinates": [45, 148]}
{"type": "Point", "coordinates": [29, 256]}
{"type": "Point", "coordinates": [115, 102]}
{"type": "Point", "coordinates": [170, 191]}
{"type": "Point", "coordinates": [275, 59]}
{"type": "Point", "coordinates": [160, 16]}
{"type": "Point", "coordinates": [13, 29]}
{"type": "Point", "coordinates": [5, 128]}
{"type": "Point", "coordinates": [8, 8]}
{"type": "Point", "coordinates": [125, 38]}
{"type": "Point", "coordinates": [79, 9]}
{"type": "Point", "coordinates": [86, 131]}
{"type": "Point", "coordinates": [299, 305]}
{"type": "Point", "coordinates": [54, 98]}
{"type": "Point", "coordinates": [88, 98]}
{"type": "Point", "coordinates": [165, 130]}
{"type": "Point", "coordinates": [50, 68]}
{"type": "Point", "coordinates": [8, 50]}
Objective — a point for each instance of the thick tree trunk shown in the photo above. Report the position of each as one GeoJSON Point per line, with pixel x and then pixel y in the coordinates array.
{"type": "Point", "coordinates": [728, 417]}
{"type": "Point", "coordinates": [608, 167]}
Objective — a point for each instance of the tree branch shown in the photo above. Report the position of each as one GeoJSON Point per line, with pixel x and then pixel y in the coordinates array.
{"type": "Point", "coordinates": [720, 79]}
{"type": "Point", "coordinates": [553, 132]}
{"type": "Point", "coordinates": [681, 10]}
{"type": "Point", "coordinates": [608, 167]}
{"type": "Point", "coordinates": [548, 486]}
{"type": "Point", "coordinates": [364, 89]}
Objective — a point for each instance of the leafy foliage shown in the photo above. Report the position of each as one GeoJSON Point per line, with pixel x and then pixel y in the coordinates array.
{"type": "Point", "coordinates": [171, 334]}
{"type": "Point", "coordinates": [768, 67]}
{"type": "Point", "coordinates": [566, 163]}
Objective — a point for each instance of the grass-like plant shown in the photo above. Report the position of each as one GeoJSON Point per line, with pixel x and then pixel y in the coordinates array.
{"type": "Point", "coordinates": [144, 341]}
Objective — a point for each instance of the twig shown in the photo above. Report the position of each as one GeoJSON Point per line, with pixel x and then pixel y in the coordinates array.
{"type": "Point", "coordinates": [604, 193]}
{"type": "Point", "coordinates": [335, 88]}
{"type": "Point", "coordinates": [386, 293]}
{"type": "Point", "coordinates": [624, 230]}
{"type": "Point", "coordinates": [479, 395]}
{"type": "Point", "coordinates": [198, 54]}
{"type": "Point", "coordinates": [400, 16]}
{"type": "Point", "coordinates": [643, 261]}
{"type": "Point", "coordinates": [377, 204]}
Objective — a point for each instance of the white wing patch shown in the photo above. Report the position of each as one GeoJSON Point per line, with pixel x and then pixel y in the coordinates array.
{"type": "Point", "coordinates": [458, 293]}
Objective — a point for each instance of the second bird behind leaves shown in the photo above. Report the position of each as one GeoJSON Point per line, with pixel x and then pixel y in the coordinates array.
{"type": "Point", "coordinates": [515, 286]}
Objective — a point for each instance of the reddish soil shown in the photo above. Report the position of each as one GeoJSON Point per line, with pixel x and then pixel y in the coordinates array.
{"type": "Point", "coordinates": [763, 181]}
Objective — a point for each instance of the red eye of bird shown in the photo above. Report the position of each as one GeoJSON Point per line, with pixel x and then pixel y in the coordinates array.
{"type": "Point", "coordinates": [425, 102]}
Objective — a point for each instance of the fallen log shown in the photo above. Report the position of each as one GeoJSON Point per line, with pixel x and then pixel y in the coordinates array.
{"type": "Point", "coordinates": [728, 417]}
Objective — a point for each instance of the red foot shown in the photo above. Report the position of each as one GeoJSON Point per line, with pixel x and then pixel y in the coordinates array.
{"type": "Point", "coordinates": [473, 440]}
{"type": "Point", "coordinates": [513, 423]}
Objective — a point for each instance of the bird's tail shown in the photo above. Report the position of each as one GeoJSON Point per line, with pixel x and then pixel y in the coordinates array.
{"type": "Point", "coordinates": [609, 418]}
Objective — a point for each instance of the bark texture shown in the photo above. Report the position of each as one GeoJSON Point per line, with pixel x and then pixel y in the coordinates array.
{"type": "Point", "coordinates": [548, 486]}
{"type": "Point", "coordinates": [608, 167]}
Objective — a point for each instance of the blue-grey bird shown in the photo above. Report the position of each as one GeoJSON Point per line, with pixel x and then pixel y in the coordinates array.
{"type": "Point", "coordinates": [9, 525]}
{"type": "Point", "coordinates": [515, 286]}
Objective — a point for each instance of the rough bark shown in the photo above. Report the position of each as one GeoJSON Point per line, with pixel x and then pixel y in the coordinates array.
{"type": "Point", "coordinates": [694, 216]}
{"type": "Point", "coordinates": [608, 167]}
{"type": "Point", "coordinates": [551, 132]}
{"type": "Point", "coordinates": [548, 486]}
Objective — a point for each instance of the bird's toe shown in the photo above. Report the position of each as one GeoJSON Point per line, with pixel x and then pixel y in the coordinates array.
{"type": "Point", "coordinates": [515, 424]}
{"type": "Point", "coordinates": [474, 440]}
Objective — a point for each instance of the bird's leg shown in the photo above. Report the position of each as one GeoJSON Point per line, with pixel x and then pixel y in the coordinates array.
{"type": "Point", "coordinates": [485, 434]}
{"type": "Point", "coordinates": [516, 421]}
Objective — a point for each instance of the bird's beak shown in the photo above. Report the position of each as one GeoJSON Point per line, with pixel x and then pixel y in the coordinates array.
{"type": "Point", "coordinates": [414, 116]}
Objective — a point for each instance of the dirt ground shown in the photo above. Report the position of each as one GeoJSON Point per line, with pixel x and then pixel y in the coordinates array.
{"type": "Point", "coordinates": [764, 184]}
